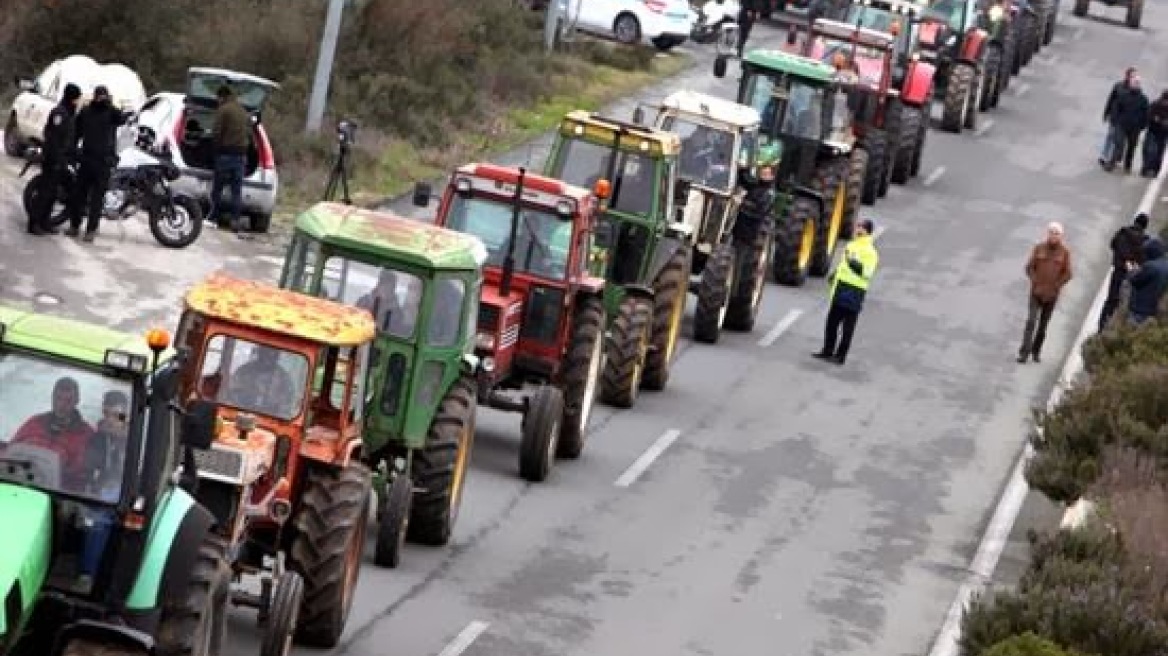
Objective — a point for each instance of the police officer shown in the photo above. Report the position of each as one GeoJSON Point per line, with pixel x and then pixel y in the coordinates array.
{"type": "Point", "coordinates": [97, 128]}
{"type": "Point", "coordinates": [849, 286]}
{"type": "Point", "coordinates": [58, 139]}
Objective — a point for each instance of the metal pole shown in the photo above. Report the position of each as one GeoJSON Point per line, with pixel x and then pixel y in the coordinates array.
{"type": "Point", "coordinates": [324, 66]}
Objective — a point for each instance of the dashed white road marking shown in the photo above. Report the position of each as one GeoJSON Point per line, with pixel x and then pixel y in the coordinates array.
{"type": "Point", "coordinates": [984, 127]}
{"type": "Point", "coordinates": [935, 176]}
{"type": "Point", "coordinates": [781, 327]}
{"type": "Point", "coordinates": [643, 463]}
{"type": "Point", "coordinates": [465, 638]}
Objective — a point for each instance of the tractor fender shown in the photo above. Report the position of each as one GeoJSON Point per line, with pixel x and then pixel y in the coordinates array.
{"type": "Point", "coordinates": [973, 46]}
{"type": "Point", "coordinates": [590, 284]}
{"type": "Point", "coordinates": [807, 192]}
{"type": "Point", "coordinates": [172, 549]}
{"type": "Point", "coordinates": [918, 83]}
{"type": "Point", "coordinates": [122, 636]}
{"type": "Point", "coordinates": [351, 451]}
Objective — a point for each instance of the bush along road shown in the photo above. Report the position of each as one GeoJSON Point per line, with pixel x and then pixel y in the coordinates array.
{"type": "Point", "coordinates": [764, 498]}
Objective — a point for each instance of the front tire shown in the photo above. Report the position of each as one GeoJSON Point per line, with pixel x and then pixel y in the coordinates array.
{"type": "Point", "coordinates": [910, 132]}
{"type": "Point", "coordinates": [753, 265]}
{"type": "Point", "coordinates": [541, 434]}
{"type": "Point", "coordinates": [440, 467]}
{"type": "Point", "coordinates": [180, 229]}
{"type": "Point", "coordinates": [669, 293]}
{"type": "Point", "coordinates": [283, 613]}
{"type": "Point", "coordinates": [714, 293]}
{"type": "Point", "coordinates": [13, 145]}
{"type": "Point", "coordinates": [876, 145]}
{"type": "Point", "coordinates": [627, 29]}
{"type": "Point", "coordinates": [957, 98]}
{"type": "Point", "coordinates": [393, 522]}
{"type": "Point", "coordinates": [795, 241]}
{"type": "Point", "coordinates": [624, 364]}
{"type": "Point", "coordinates": [582, 367]}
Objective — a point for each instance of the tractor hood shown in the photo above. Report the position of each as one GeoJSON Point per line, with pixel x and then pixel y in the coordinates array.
{"type": "Point", "coordinates": [24, 551]}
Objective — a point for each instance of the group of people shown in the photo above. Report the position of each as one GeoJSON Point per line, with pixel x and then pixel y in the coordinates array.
{"type": "Point", "coordinates": [1128, 113]}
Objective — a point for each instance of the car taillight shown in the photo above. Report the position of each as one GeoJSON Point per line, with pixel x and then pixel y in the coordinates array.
{"type": "Point", "coordinates": [180, 127]}
{"type": "Point", "coordinates": [657, 6]}
{"type": "Point", "coordinates": [264, 150]}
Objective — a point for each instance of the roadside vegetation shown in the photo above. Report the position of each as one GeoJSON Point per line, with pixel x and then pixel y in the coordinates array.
{"type": "Point", "coordinates": [1101, 589]}
{"type": "Point", "coordinates": [430, 84]}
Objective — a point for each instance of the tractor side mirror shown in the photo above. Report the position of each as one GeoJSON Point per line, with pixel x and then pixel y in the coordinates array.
{"type": "Point", "coordinates": [422, 194]}
{"type": "Point", "coordinates": [198, 424]}
{"type": "Point", "coordinates": [639, 116]}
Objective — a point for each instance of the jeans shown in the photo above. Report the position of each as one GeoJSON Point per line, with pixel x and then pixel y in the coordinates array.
{"type": "Point", "coordinates": [100, 525]}
{"type": "Point", "coordinates": [1123, 144]}
{"type": "Point", "coordinates": [1034, 334]}
{"type": "Point", "coordinates": [1114, 287]}
{"type": "Point", "coordinates": [838, 317]}
{"type": "Point", "coordinates": [1110, 141]}
{"type": "Point", "coordinates": [229, 171]}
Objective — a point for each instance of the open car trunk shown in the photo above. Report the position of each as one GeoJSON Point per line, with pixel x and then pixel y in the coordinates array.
{"type": "Point", "coordinates": [196, 142]}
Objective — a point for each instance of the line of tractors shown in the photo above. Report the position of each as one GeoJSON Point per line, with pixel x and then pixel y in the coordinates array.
{"type": "Point", "coordinates": [282, 423]}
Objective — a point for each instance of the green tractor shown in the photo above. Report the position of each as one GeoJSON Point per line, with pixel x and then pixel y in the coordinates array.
{"type": "Point", "coordinates": [104, 554]}
{"type": "Point", "coordinates": [421, 283]}
{"type": "Point", "coordinates": [806, 116]}
{"type": "Point", "coordinates": [643, 249]}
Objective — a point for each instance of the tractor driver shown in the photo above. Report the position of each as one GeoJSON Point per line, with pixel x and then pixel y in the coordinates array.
{"type": "Point", "coordinates": [62, 430]}
{"type": "Point", "coordinates": [707, 154]}
{"type": "Point", "coordinates": [263, 385]}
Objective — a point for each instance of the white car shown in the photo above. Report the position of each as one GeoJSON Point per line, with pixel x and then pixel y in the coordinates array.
{"type": "Point", "coordinates": [663, 23]}
{"type": "Point", "coordinates": [183, 123]}
{"type": "Point", "coordinates": [30, 110]}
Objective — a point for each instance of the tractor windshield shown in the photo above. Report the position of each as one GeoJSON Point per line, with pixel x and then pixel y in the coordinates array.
{"type": "Point", "coordinates": [949, 12]}
{"type": "Point", "coordinates": [542, 237]}
{"type": "Point", "coordinates": [707, 153]}
{"type": "Point", "coordinates": [394, 297]}
{"type": "Point", "coordinates": [582, 163]}
{"type": "Point", "coordinates": [253, 377]}
{"type": "Point", "coordinates": [793, 111]}
{"type": "Point", "coordinates": [63, 428]}
{"type": "Point", "coordinates": [864, 62]}
{"type": "Point", "coordinates": [882, 20]}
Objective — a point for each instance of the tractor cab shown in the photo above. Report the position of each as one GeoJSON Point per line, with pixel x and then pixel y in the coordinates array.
{"type": "Point", "coordinates": [89, 442]}
{"type": "Point", "coordinates": [863, 60]}
{"type": "Point", "coordinates": [900, 18]}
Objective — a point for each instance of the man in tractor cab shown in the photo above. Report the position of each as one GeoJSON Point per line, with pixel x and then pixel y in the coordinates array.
{"type": "Point", "coordinates": [760, 193]}
{"type": "Point", "coordinates": [62, 430]}
{"type": "Point", "coordinates": [263, 385]}
{"type": "Point", "coordinates": [706, 154]}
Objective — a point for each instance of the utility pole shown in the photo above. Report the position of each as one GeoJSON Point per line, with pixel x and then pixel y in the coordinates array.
{"type": "Point", "coordinates": [324, 66]}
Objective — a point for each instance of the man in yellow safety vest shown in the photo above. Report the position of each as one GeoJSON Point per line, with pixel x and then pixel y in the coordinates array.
{"type": "Point", "coordinates": [849, 286]}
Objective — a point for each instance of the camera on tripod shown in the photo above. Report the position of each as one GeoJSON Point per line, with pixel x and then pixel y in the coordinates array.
{"type": "Point", "coordinates": [346, 133]}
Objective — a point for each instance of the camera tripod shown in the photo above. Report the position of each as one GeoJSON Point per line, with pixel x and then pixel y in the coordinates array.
{"type": "Point", "coordinates": [339, 176]}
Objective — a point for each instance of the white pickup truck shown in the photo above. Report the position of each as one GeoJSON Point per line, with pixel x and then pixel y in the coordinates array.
{"type": "Point", "coordinates": [30, 110]}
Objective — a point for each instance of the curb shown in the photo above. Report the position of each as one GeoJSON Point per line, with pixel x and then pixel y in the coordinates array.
{"type": "Point", "coordinates": [997, 533]}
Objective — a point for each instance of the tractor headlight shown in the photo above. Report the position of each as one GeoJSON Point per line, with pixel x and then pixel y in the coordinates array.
{"type": "Point", "coordinates": [126, 361]}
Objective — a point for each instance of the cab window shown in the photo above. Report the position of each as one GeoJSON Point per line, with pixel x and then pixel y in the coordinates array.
{"type": "Point", "coordinates": [446, 312]}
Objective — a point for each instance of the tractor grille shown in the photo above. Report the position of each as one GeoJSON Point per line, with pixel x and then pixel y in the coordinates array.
{"type": "Point", "coordinates": [488, 318]}
{"type": "Point", "coordinates": [220, 463]}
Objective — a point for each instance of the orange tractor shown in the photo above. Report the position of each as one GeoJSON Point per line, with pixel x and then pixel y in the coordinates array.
{"type": "Point", "coordinates": [283, 476]}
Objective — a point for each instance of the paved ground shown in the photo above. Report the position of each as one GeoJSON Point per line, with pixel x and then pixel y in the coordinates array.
{"type": "Point", "coordinates": [800, 508]}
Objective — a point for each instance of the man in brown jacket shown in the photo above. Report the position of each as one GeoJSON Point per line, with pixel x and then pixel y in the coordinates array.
{"type": "Point", "coordinates": [232, 136]}
{"type": "Point", "coordinates": [1049, 268]}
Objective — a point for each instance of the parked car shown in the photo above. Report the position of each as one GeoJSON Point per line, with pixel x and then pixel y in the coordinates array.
{"type": "Point", "coordinates": [30, 109]}
{"type": "Point", "coordinates": [186, 122]}
{"type": "Point", "coordinates": [663, 23]}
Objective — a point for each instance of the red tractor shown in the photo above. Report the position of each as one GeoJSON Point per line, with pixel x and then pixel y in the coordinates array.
{"type": "Point", "coordinates": [890, 110]}
{"type": "Point", "coordinates": [541, 320]}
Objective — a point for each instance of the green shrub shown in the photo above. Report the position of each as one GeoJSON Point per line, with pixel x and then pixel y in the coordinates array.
{"type": "Point", "coordinates": [1027, 644]}
{"type": "Point", "coordinates": [1093, 543]}
{"type": "Point", "coordinates": [1122, 347]}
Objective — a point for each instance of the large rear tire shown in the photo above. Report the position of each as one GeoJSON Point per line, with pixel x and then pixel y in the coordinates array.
{"type": "Point", "coordinates": [582, 367]}
{"type": "Point", "coordinates": [714, 291]}
{"type": "Point", "coordinates": [192, 624]}
{"type": "Point", "coordinates": [962, 78]}
{"type": "Point", "coordinates": [669, 293]}
{"type": "Point", "coordinates": [624, 363]}
{"type": "Point", "coordinates": [795, 242]}
{"type": "Point", "coordinates": [440, 467]}
{"type": "Point", "coordinates": [830, 182]}
{"type": "Point", "coordinates": [753, 263]}
{"type": "Point", "coordinates": [910, 132]}
{"type": "Point", "coordinates": [328, 549]}
{"type": "Point", "coordinates": [876, 145]}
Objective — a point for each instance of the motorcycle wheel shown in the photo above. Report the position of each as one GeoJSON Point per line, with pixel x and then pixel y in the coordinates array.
{"type": "Point", "coordinates": [31, 197]}
{"type": "Point", "coordinates": [181, 229]}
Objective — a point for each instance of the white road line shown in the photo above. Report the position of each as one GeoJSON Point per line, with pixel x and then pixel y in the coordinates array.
{"type": "Point", "coordinates": [781, 327]}
{"type": "Point", "coordinates": [1021, 88]}
{"type": "Point", "coordinates": [1010, 503]}
{"type": "Point", "coordinates": [935, 176]}
{"type": "Point", "coordinates": [637, 468]}
{"type": "Point", "coordinates": [463, 640]}
{"type": "Point", "coordinates": [984, 127]}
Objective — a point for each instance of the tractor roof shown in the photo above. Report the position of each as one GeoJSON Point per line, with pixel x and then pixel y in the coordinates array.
{"type": "Point", "coordinates": [849, 32]}
{"type": "Point", "coordinates": [668, 142]}
{"type": "Point", "coordinates": [712, 107]}
{"type": "Point", "coordinates": [281, 311]}
{"type": "Point", "coordinates": [67, 338]}
{"type": "Point", "coordinates": [896, 6]}
{"type": "Point", "coordinates": [801, 67]}
{"type": "Point", "coordinates": [390, 237]}
{"type": "Point", "coordinates": [531, 180]}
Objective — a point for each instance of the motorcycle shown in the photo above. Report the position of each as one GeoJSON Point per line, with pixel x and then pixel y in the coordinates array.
{"type": "Point", "coordinates": [717, 21]}
{"type": "Point", "coordinates": [140, 181]}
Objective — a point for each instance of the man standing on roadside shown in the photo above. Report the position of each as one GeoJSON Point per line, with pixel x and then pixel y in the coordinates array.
{"type": "Point", "coordinates": [1049, 269]}
{"type": "Point", "coordinates": [232, 136]}
{"type": "Point", "coordinates": [1127, 246]}
{"type": "Point", "coordinates": [1155, 137]}
{"type": "Point", "coordinates": [59, 139]}
{"type": "Point", "coordinates": [849, 286]}
{"type": "Point", "coordinates": [97, 128]}
{"type": "Point", "coordinates": [1148, 283]}
{"type": "Point", "coordinates": [1127, 112]}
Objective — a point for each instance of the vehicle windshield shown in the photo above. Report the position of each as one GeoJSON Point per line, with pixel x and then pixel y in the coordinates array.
{"type": "Point", "coordinates": [393, 296]}
{"type": "Point", "coordinates": [582, 163]}
{"type": "Point", "coordinates": [63, 428]}
{"type": "Point", "coordinates": [253, 377]}
{"type": "Point", "coordinates": [707, 153]}
{"type": "Point", "coordinates": [542, 237]}
{"type": "Point", "coordinates": [865, 62]}
{"type": "Point", "coordinates": [881, 20]}
{"type": "Point", "coordinates": [946, 11]}
{"type": "Point", "coordinates": [797, 111]}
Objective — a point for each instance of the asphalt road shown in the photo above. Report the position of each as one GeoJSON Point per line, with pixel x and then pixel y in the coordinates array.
{"type": "Point", "coordinates": [795, 508]}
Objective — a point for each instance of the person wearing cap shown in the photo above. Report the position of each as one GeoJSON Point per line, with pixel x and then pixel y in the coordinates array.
{"type": "Point", "coordinates": [1127, 246]}
{"type": "Point", "coordinates": [62, 430]}
{"type": "Point", "coordinates": [1049, 270]}
{"type": "Point", "coordinates": [97, 132]}
{"type": "Point", "coordinates": [1148, 283]}
{"type": "Point", "coordinates": [56, 151]}
{"type": "Point", "coordinates": [106, 451]}
{"type": "Point", "coordinates": [849, 287]}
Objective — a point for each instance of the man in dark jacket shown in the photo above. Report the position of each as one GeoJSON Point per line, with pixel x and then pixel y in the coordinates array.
{"type": "Point", "coordinates": [849, 288]}
{"type": "Point", "coordinates": [1155, 137]}
{"type": "Point", "coordinates": [58, 139]}
{"type": "Point", "coordinates": [1148, 282]}
{"type": "Point", "coordinates": [747, 14]}
{"type": "Point", "coordinates": [1127, 246]}
{"type": "Point", "coordinates": [1127, 113]}
{"type": "Point", "coordinates": [232, 136]}
{"type": "Point", "coordinates": [97, 130]}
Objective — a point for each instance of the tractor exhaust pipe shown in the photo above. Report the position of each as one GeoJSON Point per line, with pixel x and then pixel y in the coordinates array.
{"type": "Point", "coordinates": [509, 261]}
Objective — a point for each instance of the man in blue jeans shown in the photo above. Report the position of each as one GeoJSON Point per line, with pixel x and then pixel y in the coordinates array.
{"type": "Point", "coordinates": [232, 137]}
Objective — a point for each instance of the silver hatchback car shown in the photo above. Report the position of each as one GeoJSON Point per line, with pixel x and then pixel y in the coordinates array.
{"type": "Point", "coordinates": [184, 122]}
